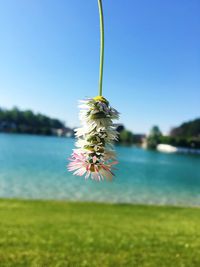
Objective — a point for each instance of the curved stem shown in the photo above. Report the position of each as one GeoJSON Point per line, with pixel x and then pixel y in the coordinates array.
{"type": "Point", "coordinates": [101, 46]}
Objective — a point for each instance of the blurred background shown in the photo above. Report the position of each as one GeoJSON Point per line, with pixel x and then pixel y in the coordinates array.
{"type": "Point", "coordinates": [49, 59]}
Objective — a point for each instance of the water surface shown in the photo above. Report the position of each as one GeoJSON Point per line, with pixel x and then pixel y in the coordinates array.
{"type": "Point", "coordinates": [34, 167]}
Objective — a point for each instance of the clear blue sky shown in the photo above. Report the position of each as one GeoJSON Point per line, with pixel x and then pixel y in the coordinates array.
{"type": "Point", "coordinates": [49, 58]}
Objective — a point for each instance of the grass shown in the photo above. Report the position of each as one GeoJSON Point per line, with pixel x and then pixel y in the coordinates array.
{"type": "Point", "coordinates": [50, 233]}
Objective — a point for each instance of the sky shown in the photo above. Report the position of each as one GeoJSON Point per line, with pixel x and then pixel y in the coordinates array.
{"type": "Point", "coordinates": [49, 59]}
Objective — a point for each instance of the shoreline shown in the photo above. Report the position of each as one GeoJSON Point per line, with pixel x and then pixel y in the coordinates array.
{"type": "Point", "coordinates": [67, 201]}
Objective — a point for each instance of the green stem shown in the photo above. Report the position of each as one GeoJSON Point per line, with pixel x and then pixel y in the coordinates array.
{"type": "Point", "coordinates": [101, 46]}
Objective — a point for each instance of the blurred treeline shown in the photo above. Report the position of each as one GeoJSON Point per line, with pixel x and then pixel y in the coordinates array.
{"type": "Point", "coordinates": [186, 135]}
{"type": "Point", "coordinates": [16, 121]}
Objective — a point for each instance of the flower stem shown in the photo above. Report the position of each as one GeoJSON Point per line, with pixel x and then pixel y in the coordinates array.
{"type": "Point", "coordinates": [101, 46]}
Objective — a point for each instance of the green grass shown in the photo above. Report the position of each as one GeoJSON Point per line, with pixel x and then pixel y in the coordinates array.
{"type": "Point", "coordinates": [50, 233]}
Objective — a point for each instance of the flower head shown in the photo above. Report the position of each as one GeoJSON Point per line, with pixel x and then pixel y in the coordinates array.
{"type": "Point", "coordinates": [94, 156]}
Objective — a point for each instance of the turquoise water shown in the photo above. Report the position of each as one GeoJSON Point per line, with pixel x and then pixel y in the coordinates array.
{"type": "Point", "coordinates": [34, 167]}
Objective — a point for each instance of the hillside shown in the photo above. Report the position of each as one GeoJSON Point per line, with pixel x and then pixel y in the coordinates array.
{"type": "Point", "coordinates": [187, 129]}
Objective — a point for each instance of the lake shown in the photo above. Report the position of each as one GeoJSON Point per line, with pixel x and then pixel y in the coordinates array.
{"type": "Point", "coordinates": [34, 167]}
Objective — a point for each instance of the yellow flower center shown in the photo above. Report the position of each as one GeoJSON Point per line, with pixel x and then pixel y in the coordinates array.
{"type": "Point", "coordinates": [100, 98]}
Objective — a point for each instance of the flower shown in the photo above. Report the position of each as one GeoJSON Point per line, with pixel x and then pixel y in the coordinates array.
{"type": "Point", "coordinates": [94, 156]}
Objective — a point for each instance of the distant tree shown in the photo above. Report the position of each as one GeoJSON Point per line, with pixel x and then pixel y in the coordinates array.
{"type": "Point", "coordinates": [155, 131]}
{"type": "Point", "coordinates": [126, 137]}
{"type": "Point", "coordinates": [154, 137]}
{"type": "Point", "coordinates": [120, 128]}
{"type": "Point", "coordinates": [56, 124]}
